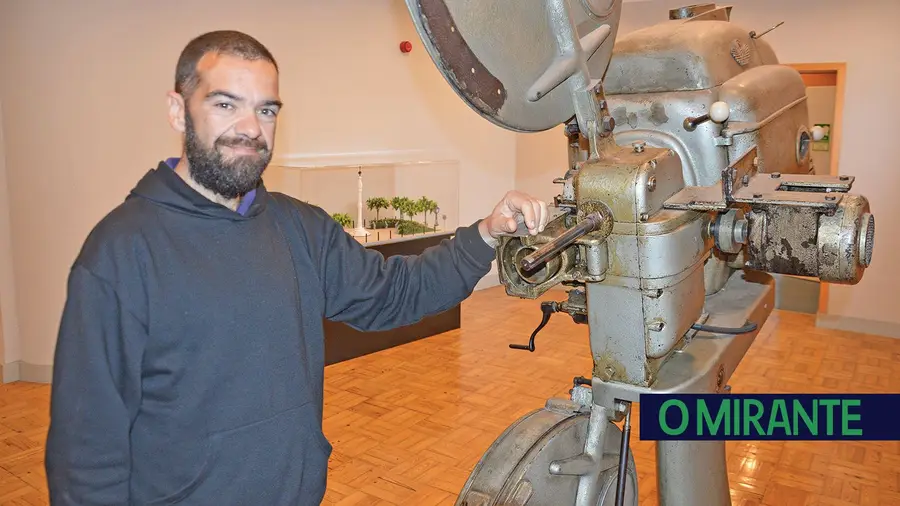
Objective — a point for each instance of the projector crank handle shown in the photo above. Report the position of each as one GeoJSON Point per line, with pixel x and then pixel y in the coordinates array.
{"type": "Point", "coordinates": [547, 308]}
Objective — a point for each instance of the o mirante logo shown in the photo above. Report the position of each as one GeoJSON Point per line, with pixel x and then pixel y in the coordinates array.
{"type": "Point", "coordinates": [768, 417]}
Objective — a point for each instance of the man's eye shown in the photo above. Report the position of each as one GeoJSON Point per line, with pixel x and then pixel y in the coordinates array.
{"type": "Point", "coordinates": [223, 105]}
{"type": "Point", "coordinates": [268, 112]}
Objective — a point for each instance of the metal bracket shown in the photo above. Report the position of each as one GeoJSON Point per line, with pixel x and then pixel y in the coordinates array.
{"type": "Point", "coordinates": [723, 141]}
{"type": "Point", "coordinates": [742, 183]}
{"type": "Point", "coordinates": [717, 197]}
{"type": "Point", "coordinates": [823, 192]}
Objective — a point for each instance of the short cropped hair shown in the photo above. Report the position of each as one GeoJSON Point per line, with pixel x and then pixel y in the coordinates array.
{"type": "Point", "coordinates": [225, 42]}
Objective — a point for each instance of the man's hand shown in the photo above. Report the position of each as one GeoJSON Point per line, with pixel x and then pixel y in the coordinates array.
{"type": "Point", "coordinates": [515, 208]}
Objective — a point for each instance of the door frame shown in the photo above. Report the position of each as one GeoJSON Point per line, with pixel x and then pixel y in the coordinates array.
{"type": "Point", "coordinates": [839, 69]}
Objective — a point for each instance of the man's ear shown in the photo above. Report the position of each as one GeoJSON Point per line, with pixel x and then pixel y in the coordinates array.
{"type": "Point", "coordinates": [176, 111]}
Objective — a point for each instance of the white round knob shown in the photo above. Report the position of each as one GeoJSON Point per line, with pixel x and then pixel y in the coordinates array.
{"type": "Point", "coordinates": [719, 112]}
{"type": "Point", "coordinates": [818, 133]}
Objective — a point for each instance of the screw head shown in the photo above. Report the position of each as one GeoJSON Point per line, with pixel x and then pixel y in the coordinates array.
{"type": "Point", "coordinates": [651, 183]}
{"type": "Point", "coordinates": [830, 197]}
{"type": "Point", "coordinates": [639, 146]}
{"type": "Point", "coordinates": [757, 195]}
{"type": "Point", "coordinates": [776, 175]}
{"type": "Point", "coordinates": [609, 124]}
{"type": "Point", "coordinates": [845, 178]}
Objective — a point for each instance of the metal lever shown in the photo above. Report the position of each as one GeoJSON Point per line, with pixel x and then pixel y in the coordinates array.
{"type": "Point", "coordinates": [718, 113]}
{"type": "Point", "coordinates": [590, 223]}
{"type": "Point", "coordinates": [548, 308]}
{"type": "Point", "coordinates": [754, 35]}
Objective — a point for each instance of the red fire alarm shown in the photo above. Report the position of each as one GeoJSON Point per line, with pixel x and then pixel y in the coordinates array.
{"type": "Point", "coordinates": [405, 46]}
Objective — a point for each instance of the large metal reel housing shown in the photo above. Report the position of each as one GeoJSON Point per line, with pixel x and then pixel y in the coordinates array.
{"type": "Point", "coordinates": [494, 52]}
{"type": "Point", "coordinates": [516, 469]}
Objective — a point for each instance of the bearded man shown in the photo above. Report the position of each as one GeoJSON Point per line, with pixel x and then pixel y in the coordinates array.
{"type": "Point", "coordinates": [189, 362]}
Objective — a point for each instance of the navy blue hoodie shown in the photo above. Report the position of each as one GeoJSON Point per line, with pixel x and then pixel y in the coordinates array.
{"type": "Point", "coordinates": [189, 362]}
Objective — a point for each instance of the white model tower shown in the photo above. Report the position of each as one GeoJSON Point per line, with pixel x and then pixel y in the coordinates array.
{"type": "Point", "coordinates": [360, 230]}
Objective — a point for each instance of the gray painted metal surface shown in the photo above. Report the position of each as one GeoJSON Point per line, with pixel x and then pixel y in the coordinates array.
{"type": "Point", "coordinates": [500, 55]}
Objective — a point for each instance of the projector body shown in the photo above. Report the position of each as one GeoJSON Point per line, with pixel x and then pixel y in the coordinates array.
{"type": "Point", "coordinates": [689, 182]}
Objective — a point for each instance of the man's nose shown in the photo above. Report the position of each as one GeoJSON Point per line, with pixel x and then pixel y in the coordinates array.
{"type": "Point", "coordinates": [248, 126]}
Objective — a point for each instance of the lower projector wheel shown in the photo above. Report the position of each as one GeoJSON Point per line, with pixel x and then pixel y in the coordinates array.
{"type": "Point", "coordinates": [539, 461]}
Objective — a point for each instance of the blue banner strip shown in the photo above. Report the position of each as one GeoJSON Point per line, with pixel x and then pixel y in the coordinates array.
{"type": "Point", "coordinates": [774, 417]}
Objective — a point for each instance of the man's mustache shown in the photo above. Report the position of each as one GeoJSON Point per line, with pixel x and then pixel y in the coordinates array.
{"type": "Point", "coordinates": [238, 142]}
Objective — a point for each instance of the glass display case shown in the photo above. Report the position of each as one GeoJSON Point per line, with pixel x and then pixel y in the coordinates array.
{"type": "Point", "coordinates": [377, 202]}
{"type": "Point", "coordinates": [405, 206]}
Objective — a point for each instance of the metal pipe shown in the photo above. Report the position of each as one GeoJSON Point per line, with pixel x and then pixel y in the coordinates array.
{"type": "Point", "coordinates": [623, 457]}
{"type": "Point", "coordinates": [590, 223]}
{"type": "Point", "coordinates": [752, 127]}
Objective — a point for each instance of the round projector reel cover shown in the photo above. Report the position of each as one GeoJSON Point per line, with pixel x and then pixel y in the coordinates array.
{"type": "Point", "coordinates": [492, 51]}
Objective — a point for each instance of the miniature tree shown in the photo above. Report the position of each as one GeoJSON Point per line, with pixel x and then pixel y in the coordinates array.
{"type": "Point", "coordinates": [377, 204]}
{"type": "Point", "coordinates": [415, 207]}
{"type": "Point", "coordinates": [403, 204]}
{"type": "Point", "coordinates": [343, 219]}
{"type": "Point", "coordinates": [422, 207]}
{"type": "Point", "coordinates": [397, 203]}
{"type": "Point", "coordinates": [408, 207]}
{"type": "Point", "coordinates": [425, 205]}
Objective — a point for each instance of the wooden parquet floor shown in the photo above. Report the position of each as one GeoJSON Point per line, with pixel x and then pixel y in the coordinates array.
{"type": "Point", "coordinates": [409, 423]}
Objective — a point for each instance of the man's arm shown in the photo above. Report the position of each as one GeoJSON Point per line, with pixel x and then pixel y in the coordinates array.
{"type": "Point", "coordinates": [369, 292]}
{"type": "Point", "coordinates": [95, 396]}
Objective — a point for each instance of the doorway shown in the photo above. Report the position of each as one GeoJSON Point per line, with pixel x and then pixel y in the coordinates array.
{"type": "Point", "coordinates": [825, 94]}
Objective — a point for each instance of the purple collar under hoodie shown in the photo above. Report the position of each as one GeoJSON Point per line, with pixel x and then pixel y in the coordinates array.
{"type": "Point", "coordinates": [245, 202]}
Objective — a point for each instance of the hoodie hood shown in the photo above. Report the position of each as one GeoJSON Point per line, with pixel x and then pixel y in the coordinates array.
{"type": "Point", "coordinates": [164, 187]}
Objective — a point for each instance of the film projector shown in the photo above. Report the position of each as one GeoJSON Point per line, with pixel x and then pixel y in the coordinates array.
{"type": "Point", "coordinates": [689, 183]}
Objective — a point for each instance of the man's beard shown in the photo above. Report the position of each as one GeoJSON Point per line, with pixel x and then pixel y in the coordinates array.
{"type": "Point", "coordinates": [230, 178]}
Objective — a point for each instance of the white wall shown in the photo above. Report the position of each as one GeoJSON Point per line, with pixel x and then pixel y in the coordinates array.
{"type": "Point", "coordinates": [10, 346]}
{"type": "Point", "coordinates": [83, 88]}
{"type": "Point", "coordinates": [541, 157]}
{"type": "Point", "coordinates": [863, 35]}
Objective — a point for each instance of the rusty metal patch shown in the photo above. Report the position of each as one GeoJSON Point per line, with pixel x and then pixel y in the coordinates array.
{"type": "Point", "coordinates": [457, 60]}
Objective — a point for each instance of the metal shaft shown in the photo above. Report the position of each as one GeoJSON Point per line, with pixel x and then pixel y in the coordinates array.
{"type": "Point", "coordinates": [702, 464]}
{"type": "Point", "coordinates": [590, 223]}
{"type": "Point", "coordinates": [623, 457]}
{"type": "Point", "coordinates": [691, 124]}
